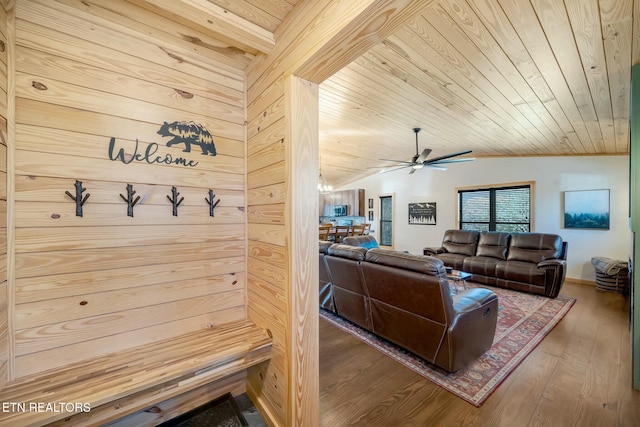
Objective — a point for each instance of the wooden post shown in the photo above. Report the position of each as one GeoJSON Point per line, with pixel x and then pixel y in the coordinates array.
{"type": "Point", "coordinates": [634, 187]}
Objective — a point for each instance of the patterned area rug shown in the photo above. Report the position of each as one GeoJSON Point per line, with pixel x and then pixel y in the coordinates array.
{"type": "Point", "coordinates": [523, 321]}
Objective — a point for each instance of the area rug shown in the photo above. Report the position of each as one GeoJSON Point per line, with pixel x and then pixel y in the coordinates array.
{"type": "Point", "coordinates": [523, 321]}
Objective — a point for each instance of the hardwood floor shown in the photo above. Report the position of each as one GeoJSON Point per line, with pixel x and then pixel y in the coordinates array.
{"type": "Point", "coordinates": [580, 375]}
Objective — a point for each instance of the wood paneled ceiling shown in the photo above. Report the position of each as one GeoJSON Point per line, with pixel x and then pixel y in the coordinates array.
{"type": "Point", "coordinates": [499, 77]}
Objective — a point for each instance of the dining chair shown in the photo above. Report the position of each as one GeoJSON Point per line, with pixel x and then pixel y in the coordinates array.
{"type": "Point", "coordinates": [342, 231]}
{"type": "Point", "coordinates": [367, 228]}
{"type": "Point", "coordinates": [323, 231]}
{"type": "Point", "coordinates": [357, 230]}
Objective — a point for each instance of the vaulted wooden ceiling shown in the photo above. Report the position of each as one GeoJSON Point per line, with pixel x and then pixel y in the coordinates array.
{"type": "Point", "coordinates": [499, 77]}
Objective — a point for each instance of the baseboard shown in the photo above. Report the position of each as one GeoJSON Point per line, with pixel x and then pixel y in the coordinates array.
{"type": "Point", "coordinates": [580, 281]}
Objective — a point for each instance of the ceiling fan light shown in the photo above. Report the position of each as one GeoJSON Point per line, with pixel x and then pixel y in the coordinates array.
{"type": "Point", "coordinates": [418, 166]}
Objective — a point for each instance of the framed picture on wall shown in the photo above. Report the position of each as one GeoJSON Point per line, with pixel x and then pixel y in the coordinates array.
{"type": "Point", "coordinates": [422, 213]}
{"type": "Point", "coordinates": [370, 203]}
{"type": "Point", "coordinates": [586, 209]}
{"type": "Point", "coordinates": [370, 215]}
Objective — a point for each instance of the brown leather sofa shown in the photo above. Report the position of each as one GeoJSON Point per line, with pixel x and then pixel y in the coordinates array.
{"type": "Point", "coordinates": [406, 299]}
{"type": "Point", "coordinates": [529, 262]}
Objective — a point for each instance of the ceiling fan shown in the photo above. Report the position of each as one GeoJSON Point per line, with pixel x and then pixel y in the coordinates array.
{"type": "Point", "coordinates": [420, 160]}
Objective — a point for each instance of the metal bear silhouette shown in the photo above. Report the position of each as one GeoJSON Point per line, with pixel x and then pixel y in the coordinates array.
{"type": "Point", "coordinates": [189, 133]}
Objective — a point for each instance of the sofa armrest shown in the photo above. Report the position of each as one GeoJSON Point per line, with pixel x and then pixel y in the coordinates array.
{"type": "Point", "coordinates": [472, 299]}
{"type": "Point", "coordinates": [433, 251]}
{"type": "Point", "coordinates": [555, 271]}
{"type": "Point", "coordinates": [473, 327]}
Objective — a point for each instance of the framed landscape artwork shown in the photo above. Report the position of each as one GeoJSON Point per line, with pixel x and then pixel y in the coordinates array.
{"type": "Point", "coordinates": [586, 209]}
{"type": "Point", "coordinates": [422, 213]}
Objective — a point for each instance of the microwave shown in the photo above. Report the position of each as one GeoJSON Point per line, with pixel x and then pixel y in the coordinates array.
{"type": "Point", "coordinates": [340, 210]}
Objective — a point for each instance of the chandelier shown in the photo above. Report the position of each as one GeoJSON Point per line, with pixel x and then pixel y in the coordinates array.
{"type": "Point", "coordinates": [323, 187]}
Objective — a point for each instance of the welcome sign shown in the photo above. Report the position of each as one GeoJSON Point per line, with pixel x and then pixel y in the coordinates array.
{"type": "Point", "coordinates": [187, 133]}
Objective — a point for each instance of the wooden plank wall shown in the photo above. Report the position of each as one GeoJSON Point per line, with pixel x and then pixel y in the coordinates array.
{"type": "Point", "coordinates": [89, 73]}
{"type": "Point", "coordinates": [4, 313]}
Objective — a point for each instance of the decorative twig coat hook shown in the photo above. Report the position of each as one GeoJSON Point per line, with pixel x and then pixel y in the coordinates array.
{"type": "Point", "coordinates": [130, 200]}
{"type": "Point", "coordinates": [211, 203]}
{"type": "Point", "coordinates": [174, 200]}
{"type": "Point", "coordinates": [78, 197]}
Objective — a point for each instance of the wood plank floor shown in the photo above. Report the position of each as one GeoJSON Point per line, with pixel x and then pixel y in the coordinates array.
{"type": "Point", "coordinates": [580, 375]}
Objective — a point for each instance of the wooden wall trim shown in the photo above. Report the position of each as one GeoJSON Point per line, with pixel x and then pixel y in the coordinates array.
{"type": "Point", "coordinates": [11, 187]}
{"type": "Point", "coordinates": [301, 111]}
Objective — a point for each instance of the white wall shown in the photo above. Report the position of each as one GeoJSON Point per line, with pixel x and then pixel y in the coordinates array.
{"type": "Point", "coordinates": [552, 176]}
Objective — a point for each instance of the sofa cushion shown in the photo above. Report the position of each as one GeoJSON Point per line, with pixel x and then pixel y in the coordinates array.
{"type": "Point", "coordinates": [520, 271]}
{"type": "Point", "coordinates": [419, 263]}
{"type": "Point", "coordinates": [534, 247]}
{"type": "Point", "coordinates": [460, 242]}
{"type": "Point", "coordinates": [347, 251]}
{"type": "Point", "coordinates": [324, 246]}
{"type": "Point", "coordinates": [366, 241]}
{"type": "Point", "coordinates": [493, 244]}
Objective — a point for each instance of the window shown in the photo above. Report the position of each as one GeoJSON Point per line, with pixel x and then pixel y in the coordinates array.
{"type": "Point", "coordinates": [386, 220]}
{"type": "Point", "coordinates": [505, 208]}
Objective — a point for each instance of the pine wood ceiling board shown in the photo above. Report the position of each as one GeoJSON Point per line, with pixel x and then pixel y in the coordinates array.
{"type": "Point", "coordinates": [555, 23]}
{"type": "Point", "coordinates": [259, 14]}
{"type": "Point", "coordinates": [585, 23]}
{"type": "Point", "coordinates": [94, 260]}
{"type": "Point", "coordinates": [227, 26]}
{"type": "Point", "coordinates": [101, 304]}
{"type": "Point", "coordinates": [496, 22]}
{"type": "Point", "coordinates": [397, 99]}
{"type": "Point", "coordinates": [476, 32]}
{"type": "Point", "coordinates": [276, 8]}
{"type": "Point", "coordinates": [31, 61]}
{"type": "Point", "coordinates": [57, 45]}
{"type": "Point", "coordinates": [131, 42]}
{"type": "Point", "coordinates": [635, 42]}
{"type": "Point", "coordinates": [98, 127]}
{"type": "Point", "coordinates": [87, 327]}
{"type": "Point", "coordinates": [452, 63]}
{"type": "Point", "coordinates": [438, 119]}
{"type": "Point", "coordinates": [221, 118]}
{"type": "Point", "coordinates": [525, 22]}
{"type": "Point", "coordinates": [384, 93]}
{"type": "Point", "coordinates": [52, 190]}
{"type": "Point", "coordinates": [29, 138]}
{"type": "Point", "coordinates": [48, 287]}
{"type": "Point", "coordinates": [162, 29]}
{"type": "Point", "coordinates": [435, 101]}
{"type": "Point", "coordinates": [63, 356]}
{"type": "Point", "coordinates": [616, 17]}
{"type": "Point", "coordinates": [427, 57]}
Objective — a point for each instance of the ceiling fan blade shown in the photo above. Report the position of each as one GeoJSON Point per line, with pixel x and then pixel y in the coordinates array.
{"type": "Point", "coordinates": [432, 166]}
{"type": "Point", "coordinates": [447, 156]}
{"type": "Point", "coordinates": [466, 159]}
{"type": "Point", "coordinates": [425, 153]}
{"type": "Point", "coordinates": [395, 169]}
{"type": "Point", "coordinates": [397, 161]}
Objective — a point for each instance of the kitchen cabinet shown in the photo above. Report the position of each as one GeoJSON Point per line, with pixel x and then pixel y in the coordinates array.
{"type": "Point", "coordinates": [353, 199]}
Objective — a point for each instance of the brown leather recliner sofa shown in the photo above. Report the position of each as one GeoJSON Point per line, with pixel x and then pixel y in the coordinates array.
{"type": "Point", "coordinates": [406, 299]}
{"type": "Point", "coordinates": [529, 262]}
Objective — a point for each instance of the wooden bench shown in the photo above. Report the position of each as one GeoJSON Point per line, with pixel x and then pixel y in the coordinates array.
{"type": "Point", "coordinates": [117, 385]}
